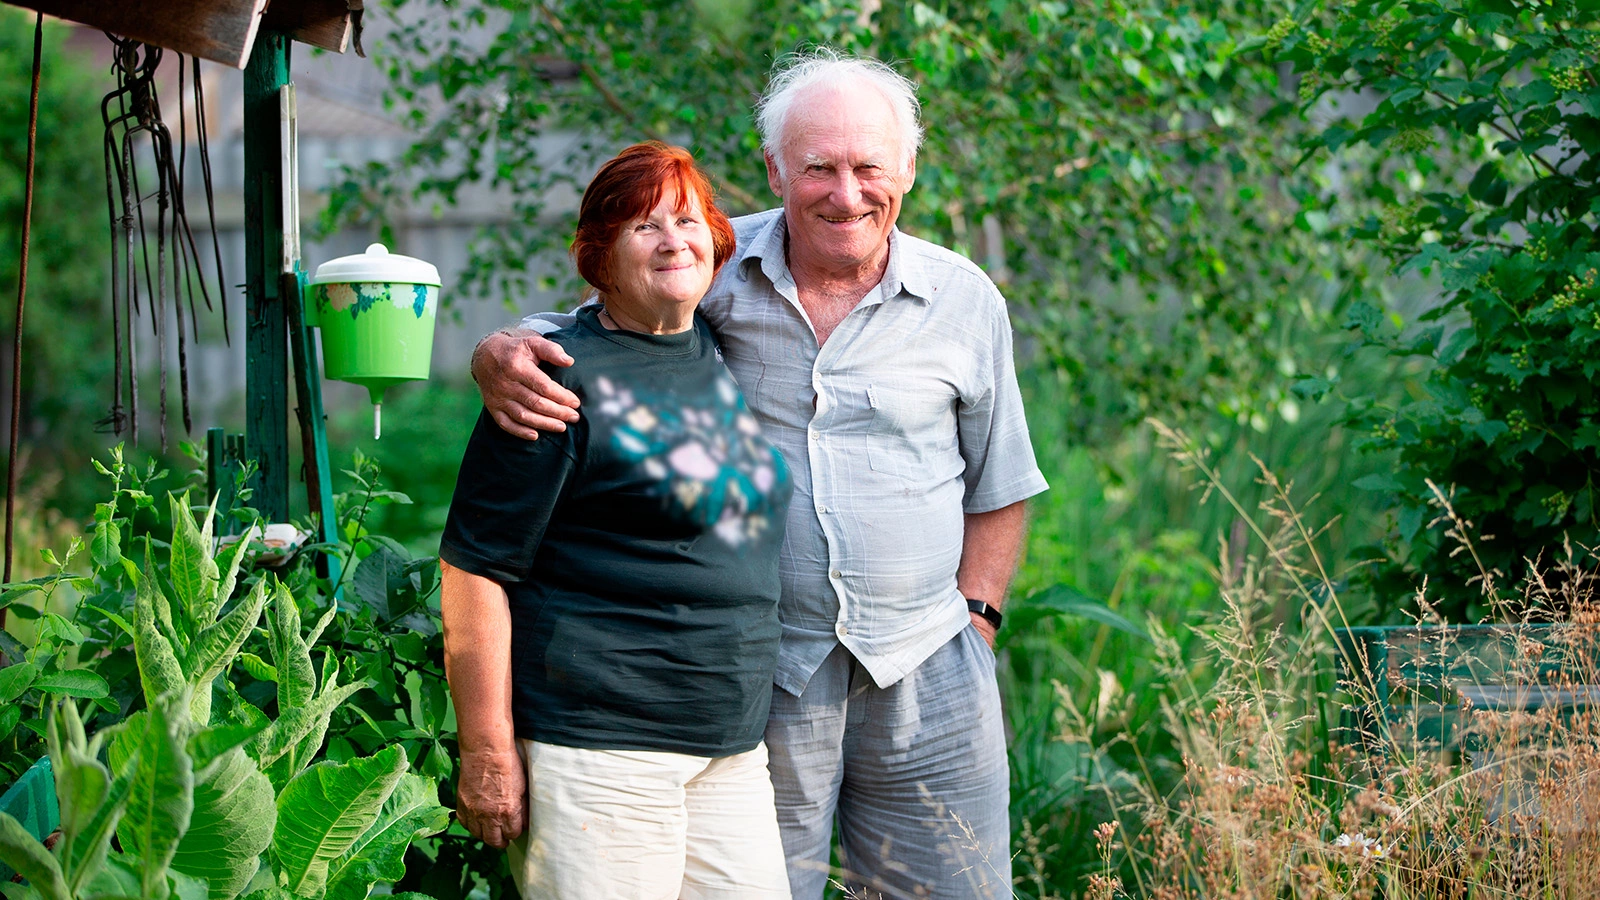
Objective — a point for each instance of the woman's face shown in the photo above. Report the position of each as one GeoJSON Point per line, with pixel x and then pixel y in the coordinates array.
{"type": "Point", "coordinates": [664, 259]}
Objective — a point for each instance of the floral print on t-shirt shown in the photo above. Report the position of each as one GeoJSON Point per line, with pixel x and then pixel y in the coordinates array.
{"type": "Point", "coordinates": [710, 463]}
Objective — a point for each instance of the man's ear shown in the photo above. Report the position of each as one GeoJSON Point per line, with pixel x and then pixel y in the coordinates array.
{"type": "Point", "coordinates": [774, 180]}
{"type": "Point", "coordinates": [910, 174]}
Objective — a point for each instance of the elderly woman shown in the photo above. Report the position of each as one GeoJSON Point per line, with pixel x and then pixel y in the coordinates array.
{"type": "Point", "coordinates": [610, 591]}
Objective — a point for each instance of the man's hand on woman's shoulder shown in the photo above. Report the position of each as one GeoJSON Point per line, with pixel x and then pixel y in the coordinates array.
{"type": "Point", "coordinates": [522, 399]}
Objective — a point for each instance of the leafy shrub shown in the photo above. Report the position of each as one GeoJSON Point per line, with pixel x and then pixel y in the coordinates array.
{"type": "Point", "coordinates": [1486, 151]}
{"type": "Point", "coordinates": [215, 782]}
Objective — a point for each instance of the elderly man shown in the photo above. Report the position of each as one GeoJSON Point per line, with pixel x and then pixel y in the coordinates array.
{"type": "Point", "coordinates": [881, 365]}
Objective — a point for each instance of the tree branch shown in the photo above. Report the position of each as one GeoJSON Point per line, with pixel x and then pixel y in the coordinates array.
{"type": "Point", "coordinates": [737, 193]}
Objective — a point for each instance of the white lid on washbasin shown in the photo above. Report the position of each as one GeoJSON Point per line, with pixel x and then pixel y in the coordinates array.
{"type": "Point", "coordinates": [377, 265]}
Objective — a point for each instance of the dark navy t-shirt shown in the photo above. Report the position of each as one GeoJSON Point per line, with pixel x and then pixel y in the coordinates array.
{"type": "Point", "coordinates": [639, 549]}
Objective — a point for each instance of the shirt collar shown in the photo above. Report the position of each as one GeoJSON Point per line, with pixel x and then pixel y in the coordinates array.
{"type": "Point", "coordinates": [765, 251]}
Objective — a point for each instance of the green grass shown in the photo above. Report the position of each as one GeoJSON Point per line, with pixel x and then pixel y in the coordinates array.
{"type": "Point", "coordinates": [1125, 524]}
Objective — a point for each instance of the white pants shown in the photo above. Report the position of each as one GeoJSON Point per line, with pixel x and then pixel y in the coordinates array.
{"type": "Point", "coordinates": [645, 825]}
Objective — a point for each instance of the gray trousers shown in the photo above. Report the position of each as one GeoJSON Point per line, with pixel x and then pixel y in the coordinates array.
{"type": "Point", "coordinates": [915, 773]}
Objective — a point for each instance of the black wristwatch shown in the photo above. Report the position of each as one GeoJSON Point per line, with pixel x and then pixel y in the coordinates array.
{"type": "Point", "coordinates": [989, 613]}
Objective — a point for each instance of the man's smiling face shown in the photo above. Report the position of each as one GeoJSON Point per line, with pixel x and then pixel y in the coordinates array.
{"type": "Point", "coordinates": [843, 176]}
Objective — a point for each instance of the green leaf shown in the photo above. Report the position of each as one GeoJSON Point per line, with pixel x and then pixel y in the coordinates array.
{"type": "Point", "coordinates": [15, 679]}
{"type": "Point", "coordinates": [232, 824]}
{"type": "Point", "coordinates": [113, 618]}
{"type": "Point", "coordinates": [1378, 481]}
{"type": "Point", "coordinates": [214, 647]}
{"type": "Point", "coordinates": [1065, 600]}
{"type": "Point", "coordinates": [159, 671]}
{"type": "Point", "coordinates": [270, 893]}
{"type": "Point", "coordinates": [91, 801]}
{"type": "Point", "coordinates": [106, 546]}
{"type": "Point", "coordinates": [228, 562]}
{"type": "Point", "coordinates": [1456, 345]}
{"type": "Point", "coordinates": [162, 798]}
{"type": "Point", "coordinates": [412, 811]}
{"type": "Point", "coordinates": [23, 853]}
{"type": "Point", "coordinates": [119, 877]}
{"type": "Point", "coordinates": [192, 570]}
{"type": "Point", "coordinates": [186, 887]}
{"type": "Point", "coordinates": [10, 715]}
{"type": "Point", "coordinates": [74, 683]}
{"type": "Point", "coordinates": [259, 669]}
{"type": "Point", "coordinates": [61, 629]}
{"type": "Point", "coordinates": [325, 811]}
{"type": "Point", "coordinates": [16, 591]}
{"type": "Point", "coordinates": [296, 678]}
{"type": "Point", "coordinates": [1311, 387]}
{"type": "Point", "coordinates": [294, 738]}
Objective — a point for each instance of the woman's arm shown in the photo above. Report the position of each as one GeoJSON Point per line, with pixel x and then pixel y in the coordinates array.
{"type": "Point", "coordinates": [491, 792]}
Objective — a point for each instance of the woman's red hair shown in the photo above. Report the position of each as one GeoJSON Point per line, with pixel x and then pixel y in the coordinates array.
{"type": "Point", "coordinates": [628, 187]}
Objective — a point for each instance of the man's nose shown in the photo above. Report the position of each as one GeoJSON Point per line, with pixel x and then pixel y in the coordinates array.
{"type": "Point", "coordinates": [846, 189]}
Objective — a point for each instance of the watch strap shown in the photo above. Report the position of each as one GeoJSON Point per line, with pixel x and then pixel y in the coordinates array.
{"type": "Point", "coordinates": [987, 612]}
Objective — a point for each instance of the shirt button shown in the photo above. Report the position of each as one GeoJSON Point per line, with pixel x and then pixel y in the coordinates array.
{"type": "Point", "coordinates": [814, 437]}
{"type": "Point", "coordinates": [821, 508]}
{"type": "Point", "coordinates": [835, 574]}
{"type": "Point", "coordinates": [840, 630]}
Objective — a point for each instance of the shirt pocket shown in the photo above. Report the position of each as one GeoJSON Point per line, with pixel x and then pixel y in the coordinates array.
{"type": "Point", "coordinates": [890, 450]}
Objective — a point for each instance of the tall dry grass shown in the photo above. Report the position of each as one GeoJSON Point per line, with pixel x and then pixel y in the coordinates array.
{"type": "Point", "coordinates": [1276, 800]}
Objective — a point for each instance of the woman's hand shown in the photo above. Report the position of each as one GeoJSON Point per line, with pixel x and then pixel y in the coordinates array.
{"type": "Point", "coordinates": [492, 796]}
{"type": "Point", "coordinates": [522, 399]}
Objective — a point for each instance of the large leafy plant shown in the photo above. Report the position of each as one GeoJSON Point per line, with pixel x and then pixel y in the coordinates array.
{"type": "Point", "coordinates": [208, 794]}
{"type": "Point", "coordinates": [1480, 124]}
{"type": "Point", "coordinates": [85, 652]}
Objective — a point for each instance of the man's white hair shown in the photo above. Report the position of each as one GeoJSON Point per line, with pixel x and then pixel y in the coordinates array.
{"type": "Point", "coordinates": [796, 72]}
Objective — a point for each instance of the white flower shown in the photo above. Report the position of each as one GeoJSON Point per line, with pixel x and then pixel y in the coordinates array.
{"type": "Point", "coordinates": [692, 461]}
{"type": "Point", "coordinates": [1369, 846]}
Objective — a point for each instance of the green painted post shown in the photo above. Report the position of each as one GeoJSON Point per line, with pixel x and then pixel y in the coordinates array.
{"type": "Point", "coordinates": [266, 309]}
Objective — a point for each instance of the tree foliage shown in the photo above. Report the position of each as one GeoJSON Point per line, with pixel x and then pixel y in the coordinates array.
{"type": "Point", "coordinates": [1484, 137]}
{"type": "Point", "coordinates": [1126, 171]}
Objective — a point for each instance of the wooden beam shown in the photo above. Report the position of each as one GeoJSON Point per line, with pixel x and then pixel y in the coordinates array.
{"type": "Point", "coordinates": [266, 384]}
{"type": "Point", "coordinates": [320, 23]}
{"type": "Point", "coordinates": [219, 30]}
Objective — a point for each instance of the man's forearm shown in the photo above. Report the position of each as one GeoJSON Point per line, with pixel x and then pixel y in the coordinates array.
{"type": "Point", "coordinates": [990, 547]}
{"type": "Point", "coordinates": [477, 660]}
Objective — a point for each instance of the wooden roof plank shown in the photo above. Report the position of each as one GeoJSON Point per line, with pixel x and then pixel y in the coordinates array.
{"type": "Point", "coordinates": [219, 30]}
{"type": "Point", "coordinates": [320, 23]}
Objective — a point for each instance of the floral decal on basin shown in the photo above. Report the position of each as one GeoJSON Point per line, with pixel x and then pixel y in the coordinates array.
{"type": "Point", "coordinates": [358, 297]}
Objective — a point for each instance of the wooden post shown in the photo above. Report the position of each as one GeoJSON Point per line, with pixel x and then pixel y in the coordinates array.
{"type": "Point", "coordinates": [266, 312]}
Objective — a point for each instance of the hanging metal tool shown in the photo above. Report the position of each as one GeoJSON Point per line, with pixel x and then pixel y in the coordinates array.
{"type": "Point", "coordinates": [138, 146]}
